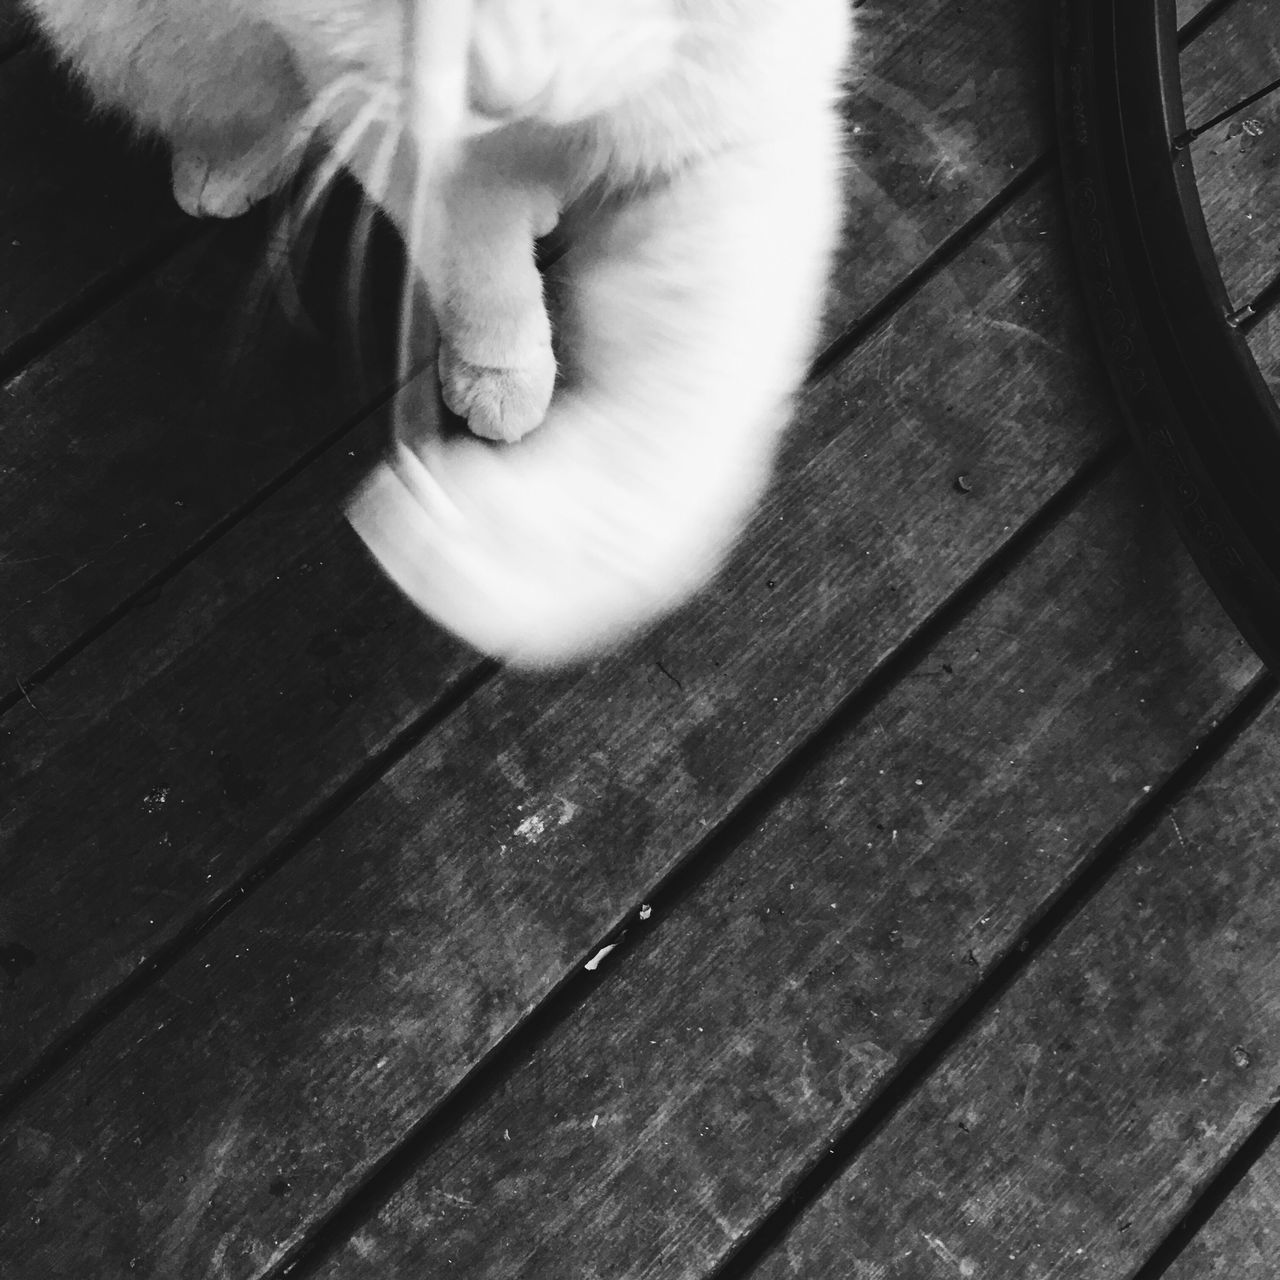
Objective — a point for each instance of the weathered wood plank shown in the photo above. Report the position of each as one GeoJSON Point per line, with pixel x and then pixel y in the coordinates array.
{"type": "Point", "coordinates": [666, 1117]}
{"type": "Point", "coordinates": [78, 202]}
{"type": "Point", "coordinates": [141, 432]}
{"type": "Point", "coordinates": [1187, 9]}
{"type": "Point", "coordinates": [1237, 163]}
{"type": "Point", "coordinates": [205, 726]}
{"type": "Point", "coordinates": [224, 616]}
{"type": "Point", "coordinates": [303, 1036]}
{"type": "Point", "coordinates": [1242, 1239]}
{"type": "Point", "coordinates": [944, 107]}
{"type": "Point", "coordinates": [1073, 1127]}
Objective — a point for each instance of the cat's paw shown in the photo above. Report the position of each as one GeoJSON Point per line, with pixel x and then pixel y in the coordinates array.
{"type": "Point", "coordinates": [208, 188]}
{"type": "Point", "coordinates": [498, 403]}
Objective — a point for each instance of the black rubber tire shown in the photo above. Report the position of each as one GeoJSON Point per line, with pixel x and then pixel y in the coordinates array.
{"type": "Point", "coordinates": [1201, 414]}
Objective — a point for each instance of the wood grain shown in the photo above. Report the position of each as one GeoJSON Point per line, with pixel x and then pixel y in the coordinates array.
{"type": "Point", "coordinates": [141, 432]}
{"type": "Point", "coordinates": [216, 643]}
{"type": "Point", "coordinates": [1072, 1127]}
{"type": "Point", "coordinates": [1237, 163]}
{"type": "Point", "coordinates": [1242, 1239]}
{"type": "Point", "coordinates": [719, 1059]}
{"type": "Point", "coordinates": [302, 1037]}
{"type": "Point", "coordinates": [1187, 9]}
{"type": "Point", "coordinates": [944, 107]}
{"type": "Point", "coordinates": [207, 724]}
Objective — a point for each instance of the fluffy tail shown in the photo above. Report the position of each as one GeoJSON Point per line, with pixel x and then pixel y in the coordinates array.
{"type": "Point", "coordinates": [689, 316]}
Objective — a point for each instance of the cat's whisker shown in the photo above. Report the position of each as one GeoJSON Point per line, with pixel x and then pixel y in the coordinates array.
{"type": "Point", "coordinates": [319, 107]}
{"type": "Point", "coordinates": [319, 185]}
{"type": "Point", "coordinates": [294, 226]}
{"type": "Point", "coordinates": [273, 280]}
{"type": "Point", "coordinates": [411, 314]}
{"type": "Point", "coordinates": [276, 272]}
{"type": "Point", "coordinates": [317, 115]}
{"type": "Point", "coordinates": [290, 235]}
{"type": "Point", "coordinates": [376, 183]}
{"type": "Point", "coordinates": [344, 147]}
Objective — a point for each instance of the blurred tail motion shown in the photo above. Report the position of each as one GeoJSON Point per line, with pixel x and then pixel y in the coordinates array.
{"type": "Point", "coordinates": [687, 309]}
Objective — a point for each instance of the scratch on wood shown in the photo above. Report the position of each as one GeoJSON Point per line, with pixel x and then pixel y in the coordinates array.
{"type": "Point", "coordinates": [964, 1266]}
{"type": "Point", "coordinates": [669, 676]}
{"type": "Point", "coordinates": [176, 1241]}
{"type": "Point", "coordinates": [1021, 331]}
{"type": "Point", "coordinates": [88, 564]}
{"type": "Point", "coordinates": [452, 1198]}
{"type": "Point", "coordinates": [27, 698]}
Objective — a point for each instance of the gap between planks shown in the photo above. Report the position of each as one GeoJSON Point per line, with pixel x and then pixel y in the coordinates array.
{"type": "Point", "coordinates": [1232, 1232]}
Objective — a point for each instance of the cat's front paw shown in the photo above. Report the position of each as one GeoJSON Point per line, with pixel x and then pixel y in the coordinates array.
{"type": "Point", "coordinates": [499, 403]}
{"type": "Point", "coordinates": [222, 188]}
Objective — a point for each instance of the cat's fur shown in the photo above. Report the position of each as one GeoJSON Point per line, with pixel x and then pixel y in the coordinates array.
{"type": "Point", "coordinates": [698, 140]}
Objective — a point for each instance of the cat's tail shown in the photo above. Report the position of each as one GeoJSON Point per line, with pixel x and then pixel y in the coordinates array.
{"type": "Point", "coordinates": [689, 319]}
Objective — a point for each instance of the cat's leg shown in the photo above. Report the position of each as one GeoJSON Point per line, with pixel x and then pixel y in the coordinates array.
{"type": "Point", "coordinates": [470, 228]}
{"type": "Point", "coordinates": [497, 368]}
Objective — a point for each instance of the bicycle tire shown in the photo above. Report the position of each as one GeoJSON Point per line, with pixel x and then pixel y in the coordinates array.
{"type": "Point", "coordinates": [1199, 411]}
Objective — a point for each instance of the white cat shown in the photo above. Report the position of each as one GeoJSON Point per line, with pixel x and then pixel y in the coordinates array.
{"type": "Point", "coordinates": [693, 146]}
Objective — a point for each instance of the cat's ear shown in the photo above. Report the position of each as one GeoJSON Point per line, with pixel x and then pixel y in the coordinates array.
{"type": "Point", "coordinates": [563, 60]}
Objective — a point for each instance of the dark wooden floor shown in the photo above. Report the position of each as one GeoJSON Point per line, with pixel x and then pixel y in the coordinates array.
{"type": "Point", "coordinates": [902, 909]}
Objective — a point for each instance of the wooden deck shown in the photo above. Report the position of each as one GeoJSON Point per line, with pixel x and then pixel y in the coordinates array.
{"type": "Point", "coordinates": [935, 845]}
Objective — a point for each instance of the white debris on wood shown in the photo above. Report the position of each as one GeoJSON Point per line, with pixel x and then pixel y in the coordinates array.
{"type": "Point", "coordinates": [155, 800]}
{"type": "Point", "coordinates": [559, 812]}
{"type": "Point", "coordinates": [594, 963]}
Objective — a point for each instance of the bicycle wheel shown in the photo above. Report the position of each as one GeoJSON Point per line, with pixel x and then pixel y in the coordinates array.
{"type": "Point", "coordinates": [1175, 343]}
